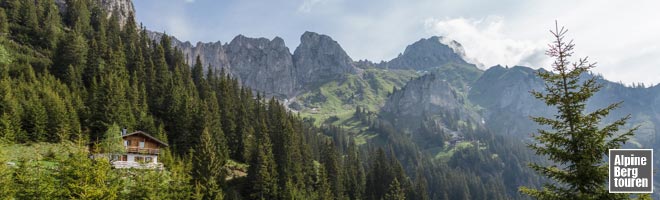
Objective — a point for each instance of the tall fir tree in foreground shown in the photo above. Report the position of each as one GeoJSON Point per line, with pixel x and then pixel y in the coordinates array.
{"type": "Point", "coordinates": [576, 144]}
{"type": "Point", "coordinates": [207, 166]}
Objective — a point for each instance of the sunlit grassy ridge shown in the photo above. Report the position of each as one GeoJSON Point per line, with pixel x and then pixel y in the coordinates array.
{"type": "Point", "coordinates": [335, 102]}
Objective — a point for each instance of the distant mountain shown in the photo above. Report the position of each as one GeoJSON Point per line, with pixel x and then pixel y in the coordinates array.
{"type": "Point", "coordinates": [503, 93]}
{"type": "Point", "coordinates": [427, 54]}
{"type": "Point", "coordinates": [317, 60]}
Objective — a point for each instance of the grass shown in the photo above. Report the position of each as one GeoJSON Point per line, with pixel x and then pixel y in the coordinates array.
{"type": "Point", "coordinates": [237, 165]}
{"type": "Point", "coordinates": [363, 137]}
{"type": "Point", "coordinates": [338, 99]}
{"type": "Point", "coordinates": [39, 151]}
{"type": "Point", "coordinates": [448, 151]}
{"type": "Point", "coordinates": [43, 154]}
{"type": "Point", "coordinates": [235, 169]}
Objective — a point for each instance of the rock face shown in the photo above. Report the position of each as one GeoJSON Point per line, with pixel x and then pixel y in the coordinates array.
{"type": "Point", "coordinates": [501, 87]}
{"type": "Point", "coordinates": [427, 98]}
{"type": "Point", "coordinates": [259, 63]}
{"type": "Point", "coordinates": [320, 59]}
{"type": "Point", "coordinates": [504, 93]}
{"type": "Point", "coordinates": [262, 64]}
{"type": "Point", "coordinates": [268, 66]}
{"type": "Point", "coordinates": [211, 54]}
{"type": "Point", "coordinates": [123, 9]}
{"type": "Point", "coordinates": [428, 53]}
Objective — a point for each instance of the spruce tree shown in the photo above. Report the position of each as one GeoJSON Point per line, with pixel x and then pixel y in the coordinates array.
{"type": "Point", "coordinates": [112, 142]}
{"type": "Point", "coordinates": [198, 73]}
{"type": "Point", "coordinates": [33, 181]}
{"type": "Point", "coordinates": [262, 173]}
{"type": "Point", "coordinates": [331, 160]}
{"type": "Point", "coordinates": [380, 175]}
{"type": "Point", "coordinates": [355, 177]}
{"type": "Point", "coordinates": [227, 102]}
{"type": "Point", "coordinates": [243, 141]}
{"type": "Point", "coordinates": [421, 188]}
{"type": "Point", "coordinates": [34, 121]}
{"type": "Point", "coordinates": [575, 144]}
{"type": "Point", "coordinates": [4, 22]}
{"type": "Point", "coordinates": [28, 23]}
{"type": "Point", "coordinates": [7, 188]}
{"type": "Point", "coordinates": [144, 184]}
{"type": "Point", "coordinates": [50, 23]}
{"type": "Point", "coordinates": [71, 55]}
{"type": "Point", "coordinates": [395, 192]}
{"type": "Point", "coordinates": [77, 16]}
{"type": "Point", "coordinates": [58, 127]}
{"type": "Point", "coordinates": [179, 185]}
{"type": "Point", "coordinates": [322, 186]}
{"type": "Point", "coordinates": [84, 178]}
{"type": "Point", "coordinates": [9, 108]}
{"type": "Point", "coordinates": [207, 166]}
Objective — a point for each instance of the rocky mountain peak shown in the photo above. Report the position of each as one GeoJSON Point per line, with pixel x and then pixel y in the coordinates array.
{"type": "Point", "coordinates": [429, 53]}
{"type": "Point", "coordinates": [278, 41]}
{"type": "Point", "coordinates": [262, 64]}
{"type": "Point", "coordinates": [321, 45]}
{"type": "Point", "coordinates": [241, 41]}
{"type": "Point", "coordinates": [319, 58]}
{"type": "Point", "coordinates": [268, 66]}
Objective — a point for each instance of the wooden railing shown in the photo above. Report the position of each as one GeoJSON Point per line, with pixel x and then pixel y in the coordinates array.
{"type": "Point", "coordinates": [139, 150]}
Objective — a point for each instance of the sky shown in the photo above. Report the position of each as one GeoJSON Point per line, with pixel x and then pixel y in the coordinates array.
{"type": "Point", "coordinates": [622, 37]}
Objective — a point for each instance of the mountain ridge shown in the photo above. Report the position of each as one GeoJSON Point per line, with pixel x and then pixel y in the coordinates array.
{"type": "Point", "coordinates": [324, 59]}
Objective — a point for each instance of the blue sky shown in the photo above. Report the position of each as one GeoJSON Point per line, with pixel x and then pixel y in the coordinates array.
{"type": "Point", "coordinates": [623, 37]}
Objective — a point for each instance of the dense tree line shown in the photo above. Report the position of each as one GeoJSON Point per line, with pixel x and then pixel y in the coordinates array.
{"type": "Point", "coordinates": [492, 166]}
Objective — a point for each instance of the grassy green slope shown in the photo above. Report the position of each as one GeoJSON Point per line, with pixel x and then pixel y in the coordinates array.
{"type": "Point", "coordinates": [335, 102]}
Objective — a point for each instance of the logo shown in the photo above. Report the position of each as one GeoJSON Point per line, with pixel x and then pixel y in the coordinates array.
{"type": "Point", "coordinates": [631, 171]}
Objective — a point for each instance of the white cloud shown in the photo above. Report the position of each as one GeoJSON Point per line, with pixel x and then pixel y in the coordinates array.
{"type": "Point", "coordinates": [485, 41]}
{"type": "Point", "coordinates": [189, 1]}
